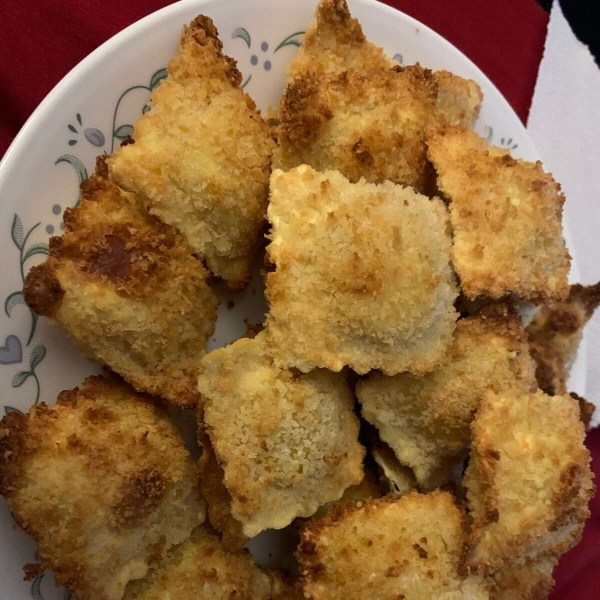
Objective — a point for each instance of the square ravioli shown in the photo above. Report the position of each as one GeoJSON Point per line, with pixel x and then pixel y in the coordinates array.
{"type": "Point", "coordinates": [128, 290]}
{"type": "Point", "coordinates": [362, 275]}
{"type": "Point", "coordinates": [201, 158]}
{"type": "Point", "coordinates": [426, 420]}
{"type": "Point", "coordinates": [201, 569]}
{"type": "Point", "coordinates": [102, 482]}
{"type": "Point", "coordinates": [287, 442]}
{"type": "Point", "coordinates": [506, 218]}
{"type": "Point", "coordinates": [349, 107]}
{"type": "Point", "coordinates": [408, 548]}
{"type": "Point", "coordinates": [528, 481]}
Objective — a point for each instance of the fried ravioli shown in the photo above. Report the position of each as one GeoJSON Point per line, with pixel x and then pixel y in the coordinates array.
{"type": "Point", "coordinates": [407, 548]}
{"type": "Point", "coordinates": [528, 480]}
{"type": "Point", "coordinates": [527, 580]}
{"type": "Point", "coordinates": [201, 569]}
{"type": "Point", "coordinates": [362, 275]}
{"type": "Point", "coordinates": [102, 482]}
{"type": "Point", "coordinates": [555, 334]}
{"type": "Point", "coordinates": [128, 290]}
{"type": "Point", "coordinates": [426, 420]}
{"type": "Point", "coordinates": [350, 108]}
{"type": "Point", "coordinates": [287, 442]}
{"type": "Point", "coordinates": [458, 100]}
{"type": "Point", "coordinates": [506, 216]}
{"type": "Point", "coordinates": [201, 158]}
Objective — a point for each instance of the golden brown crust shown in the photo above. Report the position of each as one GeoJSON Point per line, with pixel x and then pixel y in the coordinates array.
{"type": "Point", "coordinates": [528, 480]}
{"type": "Point", "coordinates": [190, 169]}
{"type": "Point", "coordinates": [104, 468]}
{"type": "Point", "coordinates": [128, 290]}
{"type": "Point", "coordinates": [362, 275]}
{"type": "Point", "coordinates": [526, 580]}
{"type": "Point", "coordinates": [319, 124]}
{"type": "Point", "coordinates": [202, 569]}
{"type": "Point", "coordinates": [506, 217]}
{"type": "Point", "coordinates": [458, 100]}
{"type": "Point", "coordinates": [426, 420]}
{"type": "Point", "coordinates": [555, 334]}
{"type": "Point", "coordinates": [586, 409]}
{"type": "Point", "coordinates": [389, 548]}
{"type": "Point", "coordinates": [287, 442]}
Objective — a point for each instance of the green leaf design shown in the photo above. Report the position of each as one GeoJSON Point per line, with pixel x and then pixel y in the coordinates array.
{"type": "Point", "coordinates": [19, 379]}
{"type": "Point", "coordinates": [39, 248]}
{"type": "Point", "coordinates": [124, 132]}
{"type": "Point", "coordinates": [11, 409]}
{"type": "Point", "coordinates": [79, 167]}
{"type": "Point", "coordinates": [290, 40]}
{"type": "Point", "coordinates": [16, 232]}
{"type": "Point", "coordinates": [37, 356]}
{"type": "Point", "coordinates": [12, 301]}
{"type": "Point", "coordinates": [78, 116]}
{"type": "Point", "coordinates": [71, 128]}
{"type": "Point", "coordinates": [145, 109]}
{"type": "Point", "coordinates": [158, 78]}
{"type": "Point", "coordinates": [243, 34]}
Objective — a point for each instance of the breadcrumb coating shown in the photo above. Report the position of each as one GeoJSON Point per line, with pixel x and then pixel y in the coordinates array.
{"type": "Point", "coordinates": [362, 275]}
{"type": "Point", "coordinates": [201, 158]}
{"type": "Point", "coordinates": [408, 547]}
{"type": "Point", "coordinates": [426, 420]}
{"type": "Point", "coordinates": [528, 480]}
{"type": "Point", "coordinates": [506, 217]}
{"type": "Point", "coordinates": [201, 569]}
{"type": "Point", "coordinates": [287, 442]}
{"type": "Point", "coordinates": [458, 100]}
{"type": "Point", "coordinates": [102, 482]}
{"type": "Point", "coordinates": [217, 497]}
{"type": "Point", "coordinates": [128, 290]}
{"type": "Point", "coordinates": [555, 334]}
{"type": "Point", "coordinates": [526, 580]}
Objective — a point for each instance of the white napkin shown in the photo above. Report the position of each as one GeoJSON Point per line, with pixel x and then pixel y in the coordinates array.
{"type": "Point", "coordinates": [564, 123]}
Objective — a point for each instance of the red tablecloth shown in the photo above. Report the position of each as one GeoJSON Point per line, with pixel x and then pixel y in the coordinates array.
{"type": "Point", "coordinates": [43, 39]}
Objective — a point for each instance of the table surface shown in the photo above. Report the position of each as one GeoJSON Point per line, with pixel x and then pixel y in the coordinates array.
{"type": "Point", "coordinates": [43, 39]}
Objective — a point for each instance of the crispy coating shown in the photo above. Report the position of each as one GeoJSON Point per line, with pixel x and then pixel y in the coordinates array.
{"type": "Point", "coordinates": [287, 442]}
{"type": "Point", "coordinates": [392, 548]}
{"type": "Point", "coordinates": [555, 334]}
{"type": "Point", "coordinates": [128, 290]}
{"type": "Point", "coordinates": [506, 217]}
{"type": "Point", "coordinates": [201, 569]}
{"type": "Point", "coordinates": [527, 580]}
{"type": "Point", "coordinates": [349, 107]}
{"type": "Point", "coordinates": [334, 42]}
{"type": "Point", "coordinates": [367, 126]}
{"type": "Point", "coordinates": [102, 482]}
{"type": "Point", "coordinates": [217, 497]}
{"type": "Point", "coordinates": [426, 420]}
{"type": "Point", "coordinates": [201, 157]}
{"type": "Point", "coordinates": [528, 480]}
{"type": "Point", "coordinates": [586, 409]}
{"type": "Point", "coordinates": [362, 275]}
{"type": "Point", "coordinates": [458, 100]}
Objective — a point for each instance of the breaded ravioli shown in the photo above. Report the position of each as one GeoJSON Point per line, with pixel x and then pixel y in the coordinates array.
{"type": "Point", "coordinates": [102, 482]}
{"type": "Point", "coordinates": [528, 480]}
{"type": "Point", "coordinates": [349, 107]}
{"type": "Point", "coordinates": [426, 420]}
{"type": "Point", "coordinates": [287, 442]}
{"type": "Point", "coordinates": [201, 569]}
{"type": "Point", "coordinates": [128, 290]}
{"type": "Point", "coordinates": [362, 275]}
{"type": "Point", "coordinates": [201, 157]}
{"type": "Point", "coordinates": [458, 100]}
{"type": "Point", "coordinates": [218, 499]}
{"type": "Point", "coordinates": [387, 549]}
{"type": "Point", "coordinates": [555, 334]}
{"type": "Point", "coordinates": [506, 218]}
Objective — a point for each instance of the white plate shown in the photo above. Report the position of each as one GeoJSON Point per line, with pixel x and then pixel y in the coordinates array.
{"type": "Point", "coordinates": [87, 113]}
